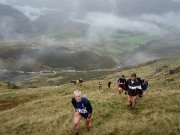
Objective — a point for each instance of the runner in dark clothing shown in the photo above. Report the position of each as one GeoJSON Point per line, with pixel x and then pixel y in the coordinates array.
{"type": "Point", "coordinates": [133, 86]}
{"type": "Point", "coordinates": [109, 84]}
{"type": "Point", "coordinates": [144, 85]}
{"type": "Point", "coordinates": [83, 110]}
{"type": "Point", "coordinates": [80, 81]}
{"type": "Point", "coordinates": [121, 84]}
{"type": "Point", "coordinates": [100, 86]}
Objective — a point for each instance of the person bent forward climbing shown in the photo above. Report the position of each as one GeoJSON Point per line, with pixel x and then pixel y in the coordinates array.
{"type": "Point", "coordinates": [83, 109]}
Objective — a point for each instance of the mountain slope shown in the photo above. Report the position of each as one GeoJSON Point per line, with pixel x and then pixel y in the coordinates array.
{"type": "Point", "coordinates": [13, 24]}
{"type": "Point", "coordinates": [48, 110]}
{"type": "Point", "coordinates": [33, 56]}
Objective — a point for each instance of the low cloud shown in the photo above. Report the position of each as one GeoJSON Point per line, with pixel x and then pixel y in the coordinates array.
{"type": "Point", "coordinates": [138, 58]}
{"type": "Point", "coordinates": [102, 25]}
{"type": "Point", "coordinates": [34, 13]}
{"type": "Point", "coordinates": [176, 0]}
{"type": "Point", "coordinates": [8, 29]}
{"type": "Point", "coordinates": [170, 19]}
{"type": "Point", "coordinates": [1, 64]}
{"type": "Point", "coordinates": [9, 2]}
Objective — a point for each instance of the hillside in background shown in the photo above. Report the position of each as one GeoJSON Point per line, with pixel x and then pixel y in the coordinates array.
{"type": "Point", "coordinates": [122, 49]}
{"type": "Point", "coordinates": [31, 57]}
{"type": "Point", "coordinates": [48, 110]}
{"type": "Point", "coordinates": [14, 25]}
{"type": "Point", "coordinates": [54, 37]}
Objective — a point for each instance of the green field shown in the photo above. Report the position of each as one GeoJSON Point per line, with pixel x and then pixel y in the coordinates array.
{"type": "Point", "coordinates": [126, 44]}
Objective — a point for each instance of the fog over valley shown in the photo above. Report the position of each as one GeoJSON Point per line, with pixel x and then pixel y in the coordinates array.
{"type": "Point", "coordinates": [38, 35]}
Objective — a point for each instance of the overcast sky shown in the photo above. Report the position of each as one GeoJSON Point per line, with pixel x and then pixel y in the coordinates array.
{"type": "Point", "coordinates": [76, 4]}
{"type": "Point", "coordinates": [103, 16]}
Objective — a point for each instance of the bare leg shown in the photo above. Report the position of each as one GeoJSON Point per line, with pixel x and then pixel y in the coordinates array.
{"type": "Point", "coordinates": [130, 100]}
{"type": "Point", "coordinates": [120, 90]}
{"type": "Point", "coordinates": [133, 101]}
{"type": "Point", "coordinates": [77, 118]}
{"type": "Point", "coordinates": [87, 124]}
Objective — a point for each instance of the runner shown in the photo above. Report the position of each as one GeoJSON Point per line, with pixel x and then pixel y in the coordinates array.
{"type": "Point", "coordinates": [133, 86]}
{"type": "Point", "coordinates": [83, 109]}
{"type": "Point", "coordinates": [121, 84]}
{"type": "Point", "coordinates": [109, 84]}
{"type": "Point", "coordinates": [100, 86]}
{"type": "Point", "coordinates": [144, 86]}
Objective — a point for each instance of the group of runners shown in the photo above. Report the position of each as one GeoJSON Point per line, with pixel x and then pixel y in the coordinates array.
{"type": "Point", "coordinates": [133, 87]}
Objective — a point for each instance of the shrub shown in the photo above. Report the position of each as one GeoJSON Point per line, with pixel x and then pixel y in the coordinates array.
{"type": "Point", "coordinates": [11, 85]}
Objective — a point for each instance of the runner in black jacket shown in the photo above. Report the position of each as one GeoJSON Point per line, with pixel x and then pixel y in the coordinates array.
{"type": "Point", "coordinates": [133, 86]}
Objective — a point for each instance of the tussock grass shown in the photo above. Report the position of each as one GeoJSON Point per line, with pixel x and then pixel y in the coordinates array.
{"type": "Point", "coordinates": [48, 110]}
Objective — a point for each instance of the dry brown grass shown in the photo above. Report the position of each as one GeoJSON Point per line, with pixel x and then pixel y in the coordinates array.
{"type": "Point", "coordinates": [48, 110]}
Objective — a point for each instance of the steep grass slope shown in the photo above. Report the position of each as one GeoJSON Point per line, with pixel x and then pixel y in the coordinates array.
{"type": "Point", "coordinates": [48, 110]}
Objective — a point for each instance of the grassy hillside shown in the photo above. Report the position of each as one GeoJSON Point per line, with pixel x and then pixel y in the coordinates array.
{"type": "Point", "coordinates": [48, 110]}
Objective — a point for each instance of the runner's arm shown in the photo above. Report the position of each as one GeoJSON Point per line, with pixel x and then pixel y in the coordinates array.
{"type": "Point", "coordinates": [89, 107]}
{"type": "Point", "coordinates": [73, 101]}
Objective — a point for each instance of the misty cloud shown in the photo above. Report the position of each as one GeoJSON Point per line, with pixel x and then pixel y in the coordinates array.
{"type": "Point", "coordinates": [171, 19]}
{"type": "Point", "coordinates": [103, 18]}
{"type": "Point", "coordinates": [8, 29]}
{"type": "Point", "coordinates": [1, 65]}
{"type": "Point", "coordinates": [101, 24]}
{"type": "Point", "coordinates": [7, 1]}
{"type": "Point", "coordinates": [176, 0]}
{"type": "Point", "coordinates": [120, 6]}
{"type": "Point", "coordinates": [138, 58]}
{"type": "Point", "coordinates": [71, 23]}
{"type": "Point", "coordinates": [14, 25]}
{"type": "Point", "coordinates": [34, 13]}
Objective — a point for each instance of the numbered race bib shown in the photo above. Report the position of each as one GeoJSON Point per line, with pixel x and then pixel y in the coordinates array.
{"type": "Point", "coordinates": [83, 111]}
